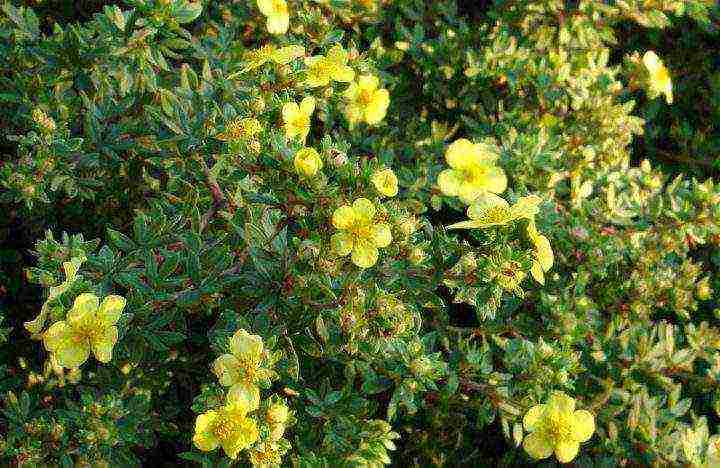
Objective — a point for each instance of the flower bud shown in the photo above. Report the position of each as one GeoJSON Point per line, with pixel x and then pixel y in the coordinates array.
{"type": "Point", "coordinates": [416, 256]}
{"type": "Point", "coordinates": [385, 182]}
{"type": "Point", "coordinates": [308, 162]}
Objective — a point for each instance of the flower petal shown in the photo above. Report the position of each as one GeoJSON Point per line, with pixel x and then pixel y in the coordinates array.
{"type": "Point", "coordinates": [290, 110]}
{"type": "Point", "coordinates": [57, 336]}
{"type": "Point", "coordinates": [343, 74]}
{"type": "Point", "coordinates": [651, 61]}
{"type": "Point", "coordinates": [527, 207]}
{"type": "Point", "coordinates": [342, 243]}
{"type": "Point", "coordinates": [364, 209]}
{"type": "Point", "coordinates": [266, 7]}
{"type": "Point", "coordinates": [561, 403]}
{"type": "Point", "coordinates": [307, 105]}
{"type": "Point", "coordinates": [278, 24]}
{"type": "Point", "coordinates": [204, 439]}
{"type": "Point", "coordinates": [495, 180]}
{"type": "Point", "coordinates": [83, 310]}
{"type": "Point", "coordinates": [537, 272]}
{"type": "Point", "coordinates": [544, 252]}
{"type": "Point", "coordinates": [381, 235]}
{"type": "Point", "coordinates": [102, 345]}
{"type": "Point", "coordinates": [583, 425]}
{"type": "Point", "coordinates": [377, 108]}
{"type": "Point", "coordinates": [537, 445]}
{"type": "Point", "coordinates": [337, 55]}
{"type": "Point", "coordinates": [449, 182]}
{"type": "Point", "coordinates": [364, 254]}
{"type": "Point", "coordinates": [532, 417]}
{"type": "Point", "coordinates": [343, 217]}
{"type": "Point", "coordinates": [461, 154]}
{"type": "Point", "coordinates": [566, 451]}
{"type": "Point", "coordinates": [225, 368]}
{"type": "Point", "coordinates": [73, 355]}
{"type": "Point", "coordinates": [368, 82]}
{"type": "Point", "coordinates": [246, 346]}
{"type": "Point", "coordinates": [110, 309]}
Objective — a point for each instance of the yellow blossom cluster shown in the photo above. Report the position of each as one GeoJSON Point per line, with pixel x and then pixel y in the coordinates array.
{"type": "Point", "coordinates": [245, 422]}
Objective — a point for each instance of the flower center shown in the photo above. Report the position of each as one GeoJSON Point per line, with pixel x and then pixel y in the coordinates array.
{"type": "Point", "coordinates": [223, 429]}
{"type": "Point", "coordinates": [473, 175]}
{"type": "Point", "coordinates": [279, 6]}
{"type": "Point", "coordinates": [300, 122]}
{"type": "Point", "coordinates": [360, 231]}
{"type": "Point", "coordinates": [365, 97]}
{"type": "Point", "coordinates": [496, 214]}
{"type": "Point", "coordinates": [558, 428]}
{"type": "Point", "coordinates": [267, 456]}
{"type": "Point", "coordinates": [85, 334]}
{"type": "Point", "coordinates": [248, 367]}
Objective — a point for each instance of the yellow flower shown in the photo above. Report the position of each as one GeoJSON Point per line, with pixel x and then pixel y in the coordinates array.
{"type": "Point", "coordinates": [267, 53]}
{"type": "Point", "coordinates": [297, 118]}
{"type": "Point", "coordinates": [321, 70]}
{"type": "Point", "coordinates": [557, 427]}
{"type": "Point", "coordinates": [308, 162]}
{"type": "Point", "coordinates": [359, 233]}
{"type": "Point", "coordinates": [544, 257]}
{"type": "Point", "coordinates": [228, 427]}
{"type": "Point", "coordinates": [490, 210]}
{"type": "Point", "coordinates": [45, 122]}
{"type": "Point", "coordinates": [268, 454]}
{"type": "Point", "coordinates": [277, 416]}
{"type": "Point", "coordinates": [365, 101]}
{"type": "Point", "coordinates": [472, 171]}
{"type": "Point", "coordinates": [240, 129]}
{"type": "Point", "coordinates": [659, 77]}
{"type": "Point", "coordinates": [89, 326]}
{"type": "Point", "coordinates": [245, 363]}
{"type": "Point", "coordinates": [278, 17]}
{"type": "Point", "coordinates": [385, 182]}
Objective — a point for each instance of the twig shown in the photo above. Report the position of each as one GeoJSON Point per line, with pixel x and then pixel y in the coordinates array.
{"type": "Point", "coordinates": [219, 199]}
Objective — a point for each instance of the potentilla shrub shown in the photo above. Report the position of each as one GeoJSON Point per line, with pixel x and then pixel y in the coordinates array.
{"type": "Point", "coordinates": [350, 233]}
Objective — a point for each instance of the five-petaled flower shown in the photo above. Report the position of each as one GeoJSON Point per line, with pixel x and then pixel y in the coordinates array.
{"type": "Point", "coordinates": [333, 67]}
{"type": "Point", "coordinates": [297, 118]}
{"type": "Point", "coordinates": [360, 234]}
{"type": "Point", "coordinates": [278, 16]}
{"type": "Point", "coordinates": [229, 427]}
{"type": "Point", "coordinates": [472, 171]}
{"type": "Point", "coordinates": [89, 326]}
{"type": "Point", "coordinates": [245, 363]}
{"type": "Point", "coordinates": [385, 182]}
{"type": "Point", "coordinates": [658, 76]}
{"type": "Point", "coordinates": [491, 210]}
{"type": "Point", "coordinates": [557, 427]}
{"type": "Point", "coordinates": [366, 101]}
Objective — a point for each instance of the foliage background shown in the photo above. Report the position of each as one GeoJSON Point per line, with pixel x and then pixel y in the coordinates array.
{"type": "Point", "coordinates": [604, 273]}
